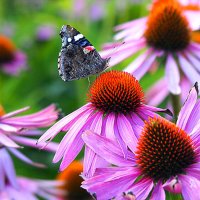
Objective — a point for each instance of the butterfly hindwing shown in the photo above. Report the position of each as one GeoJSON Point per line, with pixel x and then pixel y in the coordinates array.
{"type": "Point", "coordinates": [78, 58]}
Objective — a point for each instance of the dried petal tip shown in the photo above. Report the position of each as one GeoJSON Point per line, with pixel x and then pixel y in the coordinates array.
{"type": "Point", "coordinates": [196, 87]}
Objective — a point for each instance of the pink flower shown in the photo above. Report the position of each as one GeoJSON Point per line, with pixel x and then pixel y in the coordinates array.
{"type": "Point", "coordinates": [166, 34]}
{"type": "Point", "coordinates": [18, 131]}
{"type": "Point", "coordinates": [45, 32]}
{"type": "Point", "coordinates": [167, 158]}
{"type": "Point", "coordinates": [12, 61]}
{"type": "Point", "coordinates": [115, 103]}
{"type": "Point", "coordinates": [19, 188]}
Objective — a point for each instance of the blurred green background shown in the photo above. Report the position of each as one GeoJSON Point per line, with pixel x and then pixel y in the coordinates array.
{"type": "Point", "coordinates": [40, 85]}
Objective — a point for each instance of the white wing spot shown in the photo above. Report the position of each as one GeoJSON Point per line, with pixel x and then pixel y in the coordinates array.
{"type": "Point", "coordinates": [77, 37]}
{"type": "Point", "coordinates": [69, 39]}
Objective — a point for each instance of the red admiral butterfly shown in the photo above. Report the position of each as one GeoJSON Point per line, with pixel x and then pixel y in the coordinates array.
{"type": "Point", "coordinates": [78, 58]}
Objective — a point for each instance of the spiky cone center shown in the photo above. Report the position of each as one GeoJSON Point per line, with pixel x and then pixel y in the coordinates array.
{"type": "Point", "coordinates": [116, 92]}
{"type": "Point", "coordinates": [71, 177]}
{"type": "Point", "coordinates": [164, 150]}
{"type": "Point", "coordinates": [167, 27]}
{"type": "Point", "coordinates": [7, 49]}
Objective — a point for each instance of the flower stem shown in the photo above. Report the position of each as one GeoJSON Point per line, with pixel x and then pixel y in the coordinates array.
{"type": "Point", "coordinates": [176, 105]}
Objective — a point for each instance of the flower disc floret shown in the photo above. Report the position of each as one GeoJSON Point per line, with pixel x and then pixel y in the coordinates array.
{"type": "Point", "coordinates": [117, 92]}
{"type": "Point", "coordinates": [164, 150]}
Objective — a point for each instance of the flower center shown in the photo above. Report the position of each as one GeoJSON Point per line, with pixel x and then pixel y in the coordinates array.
{"type": "Point", "coordinates": [2, 112]}
{"type": "Point", "coordinates": [167, 28]}
{"type": "Point", "coordinates": [116, 91]}
{"type": "Point", "coordinates": [6, 49]}
{"type": "Point", "coordinates": [164, 150]}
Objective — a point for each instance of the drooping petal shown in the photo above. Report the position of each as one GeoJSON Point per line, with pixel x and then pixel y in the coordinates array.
{"type": "Point", "coordinates": [108, 149]}
{"type": "Point", "coordinates": [188, 69]}
{"type": "Point", "coordinates": [11, 114]}
{"type": "Point", "coordinates": [8, 167]}
{"type": "Point", "coordinates": [73, 137]}
{"type": "Point", "coordinates": [190, 186]}
{"type": "Point", "coordinates": [6, 141]}
{"type": "Point", "coordinates": [112, 184]}
{"type": "Point", "coordinates": [56, 128]}
{"type": "Point", "coordinates": [142, 188]}
{"type": "Point", "coordinates": [157, 93]}
{"type": "Point", "coordinates": [172, 75]}
{"type": "Point", "coordinates": [126, 132]}
{"type": "Point", "coordinates": [187, 108]}
{"type": "Point", "coordinates": [158, 192]}
{"type": "Point", "coordinates": [194, 170]}
{"type": "Point", "coordinates": [52, 146]}
{"type": "Point", "coordinates": [24, 158]}
{"type": "Point", "coordinates": [90, 158]}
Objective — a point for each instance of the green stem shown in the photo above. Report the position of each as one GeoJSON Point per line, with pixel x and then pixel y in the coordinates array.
{"type": "Point", "coordinates": [176, 105]}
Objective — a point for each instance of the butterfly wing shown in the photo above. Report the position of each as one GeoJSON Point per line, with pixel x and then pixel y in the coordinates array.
{"type": "Point", "coordinates": [78, 58]}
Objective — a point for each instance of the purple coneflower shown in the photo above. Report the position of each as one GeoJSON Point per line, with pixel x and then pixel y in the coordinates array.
{"type": "Point", "coordinates": [20, 188]}
{"type": "Point", "coordinates": [12, 61]}
{"type": "Point", "coordinates": [21, 130]}
{"type": "Point", "coordinates": [115, 102]}
{"type": "Point", "coordinates": [72, 182]}
{"type": "Point", "coordinates": [167, 158]}
{"type": "Point", "coordinates": [166, 34]}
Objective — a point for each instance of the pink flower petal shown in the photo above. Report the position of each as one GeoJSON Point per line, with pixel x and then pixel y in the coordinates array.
{"type": "Point", "coordinates": [172, 75]}
{"type": "Point", "coordinates": [142, 188]}
{"type": "Point", "coordinates": [56, 128]}
{"type": "Point", "coordinates": [108, 149]}
{"type": "Point", "coordinates": [112, 184]}
{"type": "Point", "coordinates": [190, 187]}
{"type": "Point", "coordinates": [187, 108]}
{"type": "Point", "coordinates": [74, 133]}
{"type": "Point", "coordinates": [6, 141]}
{"type": "Point", "coordinates": [126, 132]}
{"type": "Point", "coordinates": [189, 71]}
{"type": "Point", "coordinates": [90, 158]}
{"type": "Point", "coordinates": [158, 192]}
{"type": "Point", "coordinates": [157, 93]}
{"type": "Point", "coordinates": [24, 158]}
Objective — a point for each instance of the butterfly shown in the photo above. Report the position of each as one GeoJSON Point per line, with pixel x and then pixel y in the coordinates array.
{"type": "Point", "coordinates": [78, 58]}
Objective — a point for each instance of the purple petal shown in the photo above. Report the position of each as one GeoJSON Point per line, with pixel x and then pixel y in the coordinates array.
{"type": "Point", "coordinates": [72, 135]}
{"type": "Point", "coordinates": [158, 192]}
{"type": "Point", "coordinates": [6, 141]}
{"type": "Point", "coordinates": [157, 93]}
{"type": "Point", "coordinates": [126, 132]}
{"type": "Point", "coordinates": [108, 149]}
{"type": "Point", "coordinates": [194, 118]}
{"type": "Point", "coordinates": [56, 128]}
{"type": "Point", "coordinates": [173, 185]}
{"type": "Point", "coordinates": [33, 143]}
{"type": "Point", "coordinates": [102, 185]}
{"type": "Point", "coordinates": [144, 67]}
{"type": "Point", "coordinates": [188, 69]}
{"type": "Point", "coordinates": [194, 170]}
{"type": "Point", "coordinates": [190, 187]}
{"type": "Point", "coordinates": [109, 126]}
{"type": "Point", "coordinates": [11, 114]}
{"type": "Point", "coordinates": [187, 108]}
{"type": "Point", "coordinates": [172, 75]}
{"type": "Point", "coordinates": [142, 188]}
{"type": "Point", "coordinates": [25, 159]}
{"type": "Point", "coordinates": [90, 158]}
{"type": "Point", "coordinates": [8, 167]}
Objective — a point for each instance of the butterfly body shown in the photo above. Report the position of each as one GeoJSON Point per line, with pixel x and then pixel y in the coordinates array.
{"type": "Point", "coordinates": [78, 58]}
